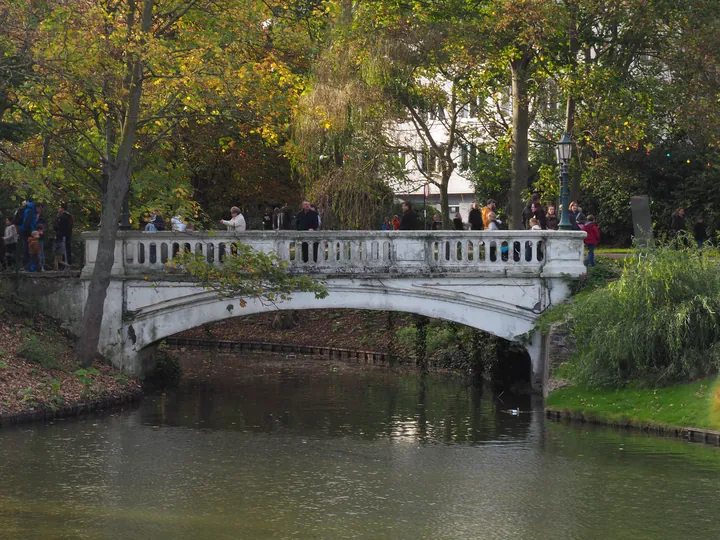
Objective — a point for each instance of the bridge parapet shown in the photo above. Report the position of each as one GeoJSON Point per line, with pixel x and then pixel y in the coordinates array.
{"type": "Point", "coordinates": [508, 253]}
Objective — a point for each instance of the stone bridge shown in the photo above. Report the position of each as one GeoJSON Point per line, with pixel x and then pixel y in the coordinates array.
{"type": "Point", "coordinates": [496, 281]}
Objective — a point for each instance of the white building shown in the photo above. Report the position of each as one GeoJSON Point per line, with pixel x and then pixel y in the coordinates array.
{"type": "Point", "coordinates": [412, 138]}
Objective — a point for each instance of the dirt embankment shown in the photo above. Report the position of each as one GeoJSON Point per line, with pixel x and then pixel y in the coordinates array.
{"type": "Point", "coordinates": [40, 378]}
{"type": "Point", "coordinates": [342, 328]}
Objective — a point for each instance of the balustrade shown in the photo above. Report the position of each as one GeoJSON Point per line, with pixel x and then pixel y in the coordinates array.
{"type": "Point", "coordinates": [356, 252]}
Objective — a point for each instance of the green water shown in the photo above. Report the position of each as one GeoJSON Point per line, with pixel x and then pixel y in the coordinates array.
{"type": "Point", "coordinates": [281, 448]}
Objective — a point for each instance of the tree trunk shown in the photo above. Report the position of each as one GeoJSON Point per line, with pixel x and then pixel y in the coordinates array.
{"type": "Point", "coordinates": [571, 101]}
{"type": "Point", "coordinates": [118, 183]}
{"type": "Point", "coordinates": [520, 146]}
{"type": "Point", "coordinates": [444, 203]}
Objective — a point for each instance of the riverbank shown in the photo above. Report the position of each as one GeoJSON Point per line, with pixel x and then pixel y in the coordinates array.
{"type": "Point", "coordinates": [343, 328]}
{"type": "Point", "coordinates": [690, 410]}
{"type": "Point", "coordinates": [40, 378]}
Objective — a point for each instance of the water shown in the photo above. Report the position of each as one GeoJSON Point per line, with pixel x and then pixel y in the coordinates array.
{"type": "Point", "coordinates": [263, 448]}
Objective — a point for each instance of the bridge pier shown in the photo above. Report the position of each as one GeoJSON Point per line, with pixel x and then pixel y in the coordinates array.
{"type": "Point", "coordinates": [535, 349]}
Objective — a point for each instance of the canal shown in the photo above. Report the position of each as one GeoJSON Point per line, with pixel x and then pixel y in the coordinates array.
{"type": "Point", "coordinates": [276, 447]}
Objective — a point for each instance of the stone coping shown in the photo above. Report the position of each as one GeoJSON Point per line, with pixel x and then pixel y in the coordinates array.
{"type": "Point", "coordinates": [707, 436]}
{"type": "Point", "coordinates": [292, 235]}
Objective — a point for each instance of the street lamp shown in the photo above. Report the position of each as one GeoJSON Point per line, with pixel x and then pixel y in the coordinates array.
{"type": "Point", "coordinates": [564, 153]}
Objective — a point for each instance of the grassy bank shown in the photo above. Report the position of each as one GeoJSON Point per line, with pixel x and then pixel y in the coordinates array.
{"type": "Point", "coordinates": [38, 371]}
{"type": "Point", "coordinates": [695, 404]}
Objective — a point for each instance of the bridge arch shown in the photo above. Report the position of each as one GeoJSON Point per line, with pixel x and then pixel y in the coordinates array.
{"type": "Point", "coordinates": [187, 307]}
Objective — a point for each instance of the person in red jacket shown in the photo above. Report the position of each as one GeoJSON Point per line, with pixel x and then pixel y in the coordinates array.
{"type": "Point", "coordinates": [591, 240]}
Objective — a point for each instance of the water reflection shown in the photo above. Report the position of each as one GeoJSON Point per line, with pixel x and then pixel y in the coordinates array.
{"type": "Point", "coordinates": [320, 450]}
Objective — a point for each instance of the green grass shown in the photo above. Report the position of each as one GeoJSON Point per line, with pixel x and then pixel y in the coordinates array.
{"type": "Point", "coordinates": [607, 249]}
{"type": "Point", "coordinates": [695, 404]}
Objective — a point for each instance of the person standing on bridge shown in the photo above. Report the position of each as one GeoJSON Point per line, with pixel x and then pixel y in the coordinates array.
{"type": "Point", "coordinates": [591, 240]}
{"type": "Point", "coordinates": [10, 240]}
{"type": "Point", "coordinates": [236, 223]}
{"type": "Point", "coordinates": [409, 220]}
{"type": "Point", "coordinates": [458, 222]}
{"type": "Point", "coordinates": [308, 220]}
{"type": "Point", "coordinates": [63, 233]}
{"type": "Point", "coordinates": [475, 218]}
{"type": "Point", "coordinates": [489, 208]}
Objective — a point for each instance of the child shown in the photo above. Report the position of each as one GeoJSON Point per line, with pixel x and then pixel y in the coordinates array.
{"type": "Point", "coordinates": [34, 252]}
{"type": "Point", "coordinates": [591, 240]}
{"type": "Point", "coordinates": [535, 224]}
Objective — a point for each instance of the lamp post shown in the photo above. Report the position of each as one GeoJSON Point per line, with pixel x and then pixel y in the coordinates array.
{"type": "Point", "coordinates": [564, 152]}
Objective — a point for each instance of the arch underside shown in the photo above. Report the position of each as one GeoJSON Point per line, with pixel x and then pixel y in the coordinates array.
{"type": "Point", "coordinates": [508, 317]}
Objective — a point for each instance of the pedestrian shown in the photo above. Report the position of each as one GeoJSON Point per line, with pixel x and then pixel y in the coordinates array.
{"type": "Point", "coordinates": [491, 206]}
{"type": "Point", "coordinates": [396, 223]}
{"type": "Point", "coordinates": [33, 251]}
{"type": "Point", "coordinates": [475, 218]}
{"type": "Point", "coordinates": [493, 222]}
{"type": "Point", "coordinates": [41, 243]}
{"type": "Point", "coordinates": [26, 228]}
{"type": "Point", "coordinates": [286, 217]}
{"type": "Point", "coordinates": [436, 223]}
{"type": "Point", "coordinates": [699, 231]}
{"type": "Point", "coordinates": [409, 220]}
{"type": "Point", "coordinates": [527, 212]}
{"type": "Point", "coordinates": [551, 219]}
{"type": "Point", "coordinates": [236, 223]}
{"type": "Point", "coordinates": [67, 227]}
{"type": "Point", "coordinates": [307, 220]}
{"type": "Point", "coordinates": [63, 233]}
{"type": "Point", "coordinates": [387, 225]}
{"type": "Point", "coordinates": [678, 221]}
{"type": "Point", "coordinates": [156, 224]}
{"type": "Point", "coordinates": [458, 222]}
{"type": "Point", "coordinates": [268, 219]}
{"type": "Point", "coordinates": [534, 224]}
{"type": "Point", "coordinates": [10, 240]}
{"type": "Point", "coordinates": [177, 224]}
{"type": "Point", "coordinates": [538, 214]}
{"type": "Point", "coordinates": [591, 240]}
{"type": "Point", "coordinates": [577, 218]}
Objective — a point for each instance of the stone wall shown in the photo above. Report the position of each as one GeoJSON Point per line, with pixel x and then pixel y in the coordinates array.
{"type": "Point", "coordinates": [559, 347]}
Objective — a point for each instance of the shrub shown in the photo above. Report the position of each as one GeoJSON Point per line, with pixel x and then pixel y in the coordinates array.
{"type": "Point", "coordinates": [658, 323]}
{"type": "Point", "coordinates": [168, 370]}
{"type": "Point", "coordinates": [45, 354]}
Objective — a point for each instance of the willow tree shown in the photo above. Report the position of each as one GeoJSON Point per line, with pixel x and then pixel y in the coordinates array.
{"type": "Point", "coordinates": [389, 88]}
{"type": "Point", "coordinates": [121, 76]}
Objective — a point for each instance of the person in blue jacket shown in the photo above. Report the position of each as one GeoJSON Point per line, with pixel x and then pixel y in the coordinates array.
{"type": "Point", "coordinates": [29, 222]}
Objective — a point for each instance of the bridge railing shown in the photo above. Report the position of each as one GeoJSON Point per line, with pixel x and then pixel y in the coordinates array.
{"type": "Point", "coordinates": [360, 252]}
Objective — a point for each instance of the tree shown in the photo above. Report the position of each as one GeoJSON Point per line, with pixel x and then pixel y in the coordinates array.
{"type": "Point", "coordinates": [391, 83]}
{"type": "Point", "coordinates": [114, 79]}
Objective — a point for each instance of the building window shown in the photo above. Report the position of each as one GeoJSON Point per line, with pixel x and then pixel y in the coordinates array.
{"type": "Point", "coordinates": [453, 210]}
{"type": "Point", "coordinates": [433, 162]}
{"type": "Point", "coordinates": [423, 160]}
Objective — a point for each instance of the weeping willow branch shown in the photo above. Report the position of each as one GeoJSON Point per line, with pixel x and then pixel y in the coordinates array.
{"type": "Point", "coordinates": [246, 274]}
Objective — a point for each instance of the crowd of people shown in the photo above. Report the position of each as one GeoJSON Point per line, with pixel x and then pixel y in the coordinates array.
{"type": "Point", "coordinates": [678, 225]}
{"type": "Point", "coordinates": [24, 241]}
